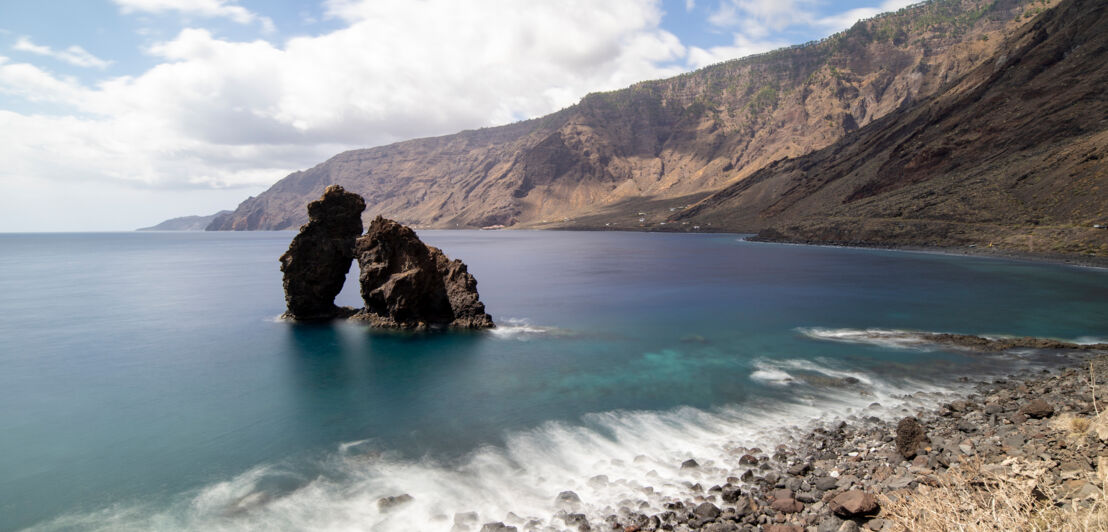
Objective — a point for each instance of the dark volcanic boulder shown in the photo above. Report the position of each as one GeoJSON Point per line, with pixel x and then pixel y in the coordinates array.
{"type": "Point", "coordinates": [316, 262]}
{"type": "Point", "coordinates": [407, 284]}
{"type": "Point", "coordinates": [910, 437]}
{"type": "Point", "coordinates": [1037, 409]}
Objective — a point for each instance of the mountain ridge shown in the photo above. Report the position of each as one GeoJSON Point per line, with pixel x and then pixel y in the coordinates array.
{"type": "Point", "coordinates": [1014, 156]}
{"type": "Point", "coordinates": [657, 141]}
{"type": "Point", "coordinates": [185, 223]}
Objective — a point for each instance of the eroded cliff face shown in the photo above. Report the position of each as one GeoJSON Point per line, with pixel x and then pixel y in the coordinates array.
{"type": "Point", "coordinates": [319, 257]}
{"type": "Point", "coordinates": [1012, 155]}
{"type": "Point", "coordinates": [692, 134]}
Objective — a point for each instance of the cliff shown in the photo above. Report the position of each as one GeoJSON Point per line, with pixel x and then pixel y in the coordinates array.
{"type": "Point", "coordinates": [672, 141]}
{"type": "Point", "coordinates": [1013, 155]}
{"type": "Point", "coordinates": [185, 223]}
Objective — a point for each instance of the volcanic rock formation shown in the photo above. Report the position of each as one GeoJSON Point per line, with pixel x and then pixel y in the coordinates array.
{"type": "Point", "coordinates": [318, 258]}
{"type": "Point", "coordinates": [407, 284]}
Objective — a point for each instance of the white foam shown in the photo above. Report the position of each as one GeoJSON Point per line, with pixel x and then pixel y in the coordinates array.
{"type": "Point", "coordinates": [770, 374]}
{"type": "Point", "coordinates": [609, 459]}
{"type": "Point", "coordinates": [1087, 340]}
{"type": "Point", "coordinates": [519, 329]}
{"type": "Point", "coordinates": [893, 338]}
{"type": "Point", "coordinates": [903, 339]}
{"type": "Point", "coordinates": [813, 366]}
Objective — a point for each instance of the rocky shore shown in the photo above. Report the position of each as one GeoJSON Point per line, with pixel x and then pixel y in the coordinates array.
{"type": "Point", "coordinates": [1071, 259]}
{"type": "Point", "coordinates": [1029, 451]}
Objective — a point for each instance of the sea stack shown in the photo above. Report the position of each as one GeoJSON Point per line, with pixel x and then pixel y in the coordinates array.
{"type": "Point", "coordinates": [406, 284]}
{"type": "Point", "coordinates": [319, 257]}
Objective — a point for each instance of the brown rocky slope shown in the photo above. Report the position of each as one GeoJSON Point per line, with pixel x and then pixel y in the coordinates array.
{"type": "Point", "coordinates": [678, 138]}
{"type": "Point", "coordinates": [1013, 155]}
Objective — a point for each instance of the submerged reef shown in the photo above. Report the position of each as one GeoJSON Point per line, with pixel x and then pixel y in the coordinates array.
{"type": "Point", "coordinates": [405, 284]}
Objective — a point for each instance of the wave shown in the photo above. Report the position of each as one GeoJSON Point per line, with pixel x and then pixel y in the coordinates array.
{"type": "Point", "coordinates": [893, 338]}
{"type": "Point", "coordinates": [611, 460]}
{"type": "Point", "coordinates": [1089, 340]}
{"type": "Point", "coordinates": [772, 375]}
{"type": "Point", "coordinates": [522, 329]}
{"type": "Point", "coordinates": [929, 341]}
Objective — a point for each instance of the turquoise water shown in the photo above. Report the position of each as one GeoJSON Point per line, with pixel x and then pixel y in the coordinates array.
{"type": "Point", "coordinates": [147, 384]}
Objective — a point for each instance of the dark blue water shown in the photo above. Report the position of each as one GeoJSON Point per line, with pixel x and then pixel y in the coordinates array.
{"type": "Point", "coordinates": [145, 382]}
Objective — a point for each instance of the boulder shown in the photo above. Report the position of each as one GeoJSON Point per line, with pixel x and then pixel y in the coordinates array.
{"type": "Point", "coordinates": [854, 503]}
{"type": "Point", "coordinates": [318, 258]}
{"type": "Point", "coordinates": [800, 469]}
{"type": "Point", "coordinates": [787, 505]}
{"type": "Point", "coordinates": [385, 504]}
{"type": "Point", "coordinates": [567, 499]}
{"type": "Point", "coordinates": [783, 528]}
{"type": "Point", "coordinates": [910, 437]}
{"type": "Point", "coordinates": [723, 526]}
{"type": "Point", "coordinates": [497, 527]}
{"type": "Point", "coordinates": [578, 520]}
{"type": "Point", "coordinates": [406, 284]}
{"type": "Point", "coordinates": [730, 494]}
{"type": "Point", "coordinates": [1037, 409]}
{"type": "Point", "coordinates": [706, 511]}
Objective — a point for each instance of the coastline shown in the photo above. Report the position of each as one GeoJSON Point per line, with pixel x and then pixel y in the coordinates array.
{"type": "Point", "coordinates": [1085, 261]}
{"type": "Point", "coordinates": [1041, 435]}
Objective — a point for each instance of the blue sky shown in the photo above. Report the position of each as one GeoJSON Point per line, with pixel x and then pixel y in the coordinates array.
{"type": "Point", "coordinates": [120, 113]}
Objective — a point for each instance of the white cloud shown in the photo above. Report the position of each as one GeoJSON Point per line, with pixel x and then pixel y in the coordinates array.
{"type": "Point", "coordinates": [754, 23]}
{"type": "Point", "coordinates": [846, 19]}
{"type": "Point", "coordinates": [74, 55]}
{"type": "Point", "coordinates": [220, 113]}
{"type": "Point", "coordinates": [690, 5]}
{"type": "Point", "coordinates": [742, 47]}
{"type": "Point", "coordinates": [36, 85]}
{"type": "Point", "coordinates": [204, 8]}
{"type": "Point", "coordinates": [759, 17]}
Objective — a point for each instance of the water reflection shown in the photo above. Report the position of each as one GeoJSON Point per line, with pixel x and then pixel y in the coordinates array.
{"type": "Point", "coordinates": [400, 390]}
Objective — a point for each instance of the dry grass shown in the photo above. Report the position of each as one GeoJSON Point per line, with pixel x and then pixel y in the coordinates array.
{"type": "Point", "coordinates": [975, 498]}
{"type": "Point", "coordinates": [1073, 426]}
{"type": "Point", "coordinates": [1007, 496]}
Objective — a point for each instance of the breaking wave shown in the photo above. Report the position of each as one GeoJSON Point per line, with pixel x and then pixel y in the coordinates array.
{"type": "Point", "coordinates": [522, 329]}
{"type": "Point", "coordinates": [893, 338]}
{"type": "Point", "coordinates": [611, 460]}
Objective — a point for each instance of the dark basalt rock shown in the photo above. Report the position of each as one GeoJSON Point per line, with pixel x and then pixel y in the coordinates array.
{"type": "Point", "coordinates": [1037, 409]}
{"type": "Point", "coordinates": [404, 283]}
{"type": "Point", "coordinates": [385, 504]}
{"type": "Point", "coordinates": [910, 437]}
{"type": "Point", "coordinates": [408, 285]}
{"type": "Point", "coordinates": [981, 343]}
{"type": "Point", "coordinates": [318, 258]}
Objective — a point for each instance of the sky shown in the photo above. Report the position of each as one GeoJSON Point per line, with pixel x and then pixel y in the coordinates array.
{"type": "Point", "coordinates": [118, 114]}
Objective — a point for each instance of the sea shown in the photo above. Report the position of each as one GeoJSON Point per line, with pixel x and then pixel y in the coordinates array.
{"type": "Point", "coordinates": [148, 383]}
